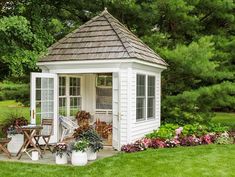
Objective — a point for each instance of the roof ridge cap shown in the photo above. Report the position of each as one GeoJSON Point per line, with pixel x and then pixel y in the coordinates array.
{"type": "Point", "coordinates": [122, 37]}
{"type": "Point", "coordinates": [105, 12]}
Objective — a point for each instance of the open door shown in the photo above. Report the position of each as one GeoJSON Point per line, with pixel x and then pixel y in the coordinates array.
{"type": "Point", "coordinates": [116, 113]}
{"type": "Point", "coordinates": [43, 100]}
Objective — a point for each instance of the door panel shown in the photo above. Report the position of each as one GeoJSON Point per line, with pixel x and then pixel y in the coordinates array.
{"type": "Point", "coordinates": [116, 113]}
{"type": "Point", "coordinates": [43, 100]}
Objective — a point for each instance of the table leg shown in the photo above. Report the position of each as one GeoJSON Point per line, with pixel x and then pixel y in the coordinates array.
{"type": "Point", "coordinates": [4, 149]}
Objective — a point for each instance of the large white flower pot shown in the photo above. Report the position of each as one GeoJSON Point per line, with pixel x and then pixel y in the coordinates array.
{"type": "Point", "coordinates": [16, 142]}
{"type": "Point", "coordinates": [91, 155]}
{"type": "Point", "coordinates": [79, 158]}
{"type": "Point", "coordinates": [61, 159]}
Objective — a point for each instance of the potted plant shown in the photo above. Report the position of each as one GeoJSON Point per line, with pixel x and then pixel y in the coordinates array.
{"type": "Point", "coordinates": [107, 132]}
{"type": "Point", "coordinates": [92, 137]}
{"type": "Point", "coordinates": [61, 153]}
{"type": "Point", "coordinates": [83, 118]}
{"type": "Point", "coordinates": [12, 129]}
{"type": "Point", "coordinates": [79, 155]}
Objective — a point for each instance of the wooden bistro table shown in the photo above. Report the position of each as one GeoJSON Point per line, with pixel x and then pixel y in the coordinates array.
{"type": "Point", "coordinates": [3, 146]}
{"type": "Point", "coordinates": [29, 131]}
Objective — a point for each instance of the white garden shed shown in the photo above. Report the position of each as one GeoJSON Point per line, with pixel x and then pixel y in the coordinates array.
{"type": "Point", "coordinates": [104, 69]}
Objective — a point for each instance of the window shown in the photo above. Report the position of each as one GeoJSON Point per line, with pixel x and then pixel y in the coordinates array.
{"type": "Point", "coordinates": [62, 96]}
{"type": "Point", "coordinates": [69, 95]}
{"type": "Point", "coordinates": [151, 97]}
{"type": "Point", "coordinates": [74, 95]}
{"type": "Point", "coordinates": [145, 97]}
{"type": "Point", "coordinates": [141, 97]}
{"type": "Point", "coordinates": [104, 91]}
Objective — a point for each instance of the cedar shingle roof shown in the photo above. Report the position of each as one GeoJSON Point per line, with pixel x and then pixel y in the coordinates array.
{"type": "Point", "coordinates": [103, 37]}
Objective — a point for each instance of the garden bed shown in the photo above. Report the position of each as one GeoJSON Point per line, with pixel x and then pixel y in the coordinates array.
{"type": "Point", "coordinates": [170, 135]}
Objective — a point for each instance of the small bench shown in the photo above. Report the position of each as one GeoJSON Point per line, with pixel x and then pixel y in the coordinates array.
{"type": "Point", "coordinates": [3, 146]}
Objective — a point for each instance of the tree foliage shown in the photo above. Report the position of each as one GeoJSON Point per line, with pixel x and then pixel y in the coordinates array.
{"type": "Point", "coordinates": [195, 37]}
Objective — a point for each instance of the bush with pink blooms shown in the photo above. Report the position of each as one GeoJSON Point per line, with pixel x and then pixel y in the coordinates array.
{"type": "Point", "coordinates": [170, 136]}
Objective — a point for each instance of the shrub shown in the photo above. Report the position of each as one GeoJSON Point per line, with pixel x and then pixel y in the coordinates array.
{"type": "Point", "coordinates": [166, 131]}
{"type": "Point", "coordinates": [217, 128]}
{"type": "Point", "coordinates": [12, 91]}
{"type": "Point", "coordinates": [194, 129]}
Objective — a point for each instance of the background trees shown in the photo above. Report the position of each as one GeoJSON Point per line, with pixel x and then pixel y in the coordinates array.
{"type": "Point", "coordinates": [197, 39]}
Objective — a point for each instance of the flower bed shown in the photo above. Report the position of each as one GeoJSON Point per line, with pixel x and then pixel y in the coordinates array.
{"type": "Point", "coordinates": [170, 135]}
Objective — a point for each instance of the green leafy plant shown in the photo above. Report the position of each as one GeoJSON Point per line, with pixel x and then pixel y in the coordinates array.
{"type": "Point", "coordinates": [13, 123]}
{"type": "Point", "coordinates": [80, 145]}
{"type": "Point", "coordinates": [217, 128]}
{"type": "Point", "coordinates": [91, 136]}
{"type": "Point", "coordinates": [166, 131]}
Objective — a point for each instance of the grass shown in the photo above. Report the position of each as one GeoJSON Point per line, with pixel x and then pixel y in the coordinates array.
{"type": "Point", "coordinates": [9, 107]}
{"type": "Point", "coordinates": [227, 119]}
{"type": "Point", "coordinates": [204, 161]}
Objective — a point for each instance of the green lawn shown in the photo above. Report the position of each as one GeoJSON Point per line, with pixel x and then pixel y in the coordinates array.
{"type": "Point", "coordinates": [227, 119]}
{"type": "Point", "coordinates": [9, 107]}
{"type": "Point", "coordinates": [208, 161]}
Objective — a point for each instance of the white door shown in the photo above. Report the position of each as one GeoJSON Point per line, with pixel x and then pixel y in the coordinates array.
{"type": "Point", "coordinates": [116, 113]}
{"type": "Point", "coordinates": [43, 100]}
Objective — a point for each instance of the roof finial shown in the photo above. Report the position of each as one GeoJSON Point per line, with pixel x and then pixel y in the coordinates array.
{"type": "Point", "coordinates": [105, 9]}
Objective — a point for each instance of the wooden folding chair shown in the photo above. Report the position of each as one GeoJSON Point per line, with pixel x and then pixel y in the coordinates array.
{"type": "Point", "coordinates": [45, 134]}
{"type": "Point", "coordinates": [3, 146]}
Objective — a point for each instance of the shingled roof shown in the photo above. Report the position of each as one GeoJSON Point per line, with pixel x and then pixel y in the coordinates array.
{"type": "Point", "coordinates": [103, 37]}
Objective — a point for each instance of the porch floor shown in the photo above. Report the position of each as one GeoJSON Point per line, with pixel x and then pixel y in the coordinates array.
{"type": "Point", "coordinates": [49, 158]}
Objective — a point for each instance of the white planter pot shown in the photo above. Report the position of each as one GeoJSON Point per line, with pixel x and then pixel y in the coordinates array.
{"type": "Point", "coordinates": [61, 159]}
{"type": "Point", "coordinates": [16, 142]}
{"type": "Point", "coordinates": [79, 158]}
{"type": "Point", "coordinates": [91, 155]}
{"type": "Point", "coordinates": [35, 155]}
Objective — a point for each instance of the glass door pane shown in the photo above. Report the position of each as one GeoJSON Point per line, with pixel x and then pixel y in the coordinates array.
{"type": "Point", "coordinates": [44, 99]}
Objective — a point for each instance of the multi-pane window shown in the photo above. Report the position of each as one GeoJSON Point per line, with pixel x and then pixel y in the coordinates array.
{"type": "Point", "coordinates": [69, 95]}
{"type": "Point", "coordinates": [145, 97]}
{"type": "Point", "coordinates": [62, 96]}
{"type": "Point", "coordinates": [151, 97]}
{"type": "Point", "coordinates": [104, 91]}
{"type": "Point", "coordinates": [74, 95]}
{"type": "Point", "coordinates": [140, 97]}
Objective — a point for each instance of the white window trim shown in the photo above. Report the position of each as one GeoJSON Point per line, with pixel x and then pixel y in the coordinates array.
{"type": "Point", "coordinates": [67, 90]}
{"type": "Point", "coordinates": [146, 98]}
